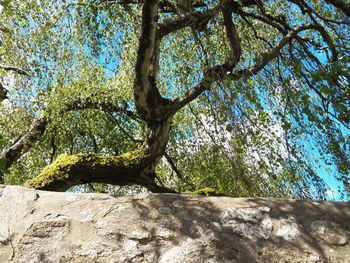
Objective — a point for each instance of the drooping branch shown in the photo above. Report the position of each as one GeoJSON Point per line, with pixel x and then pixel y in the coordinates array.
{"type": "Point", "coordinates": [274, 52]}
{"type": "Point", "coordinates": [89, 103]}
{"type": "Point", "coordinates": [25, 143]}
{"type": "Point", "coordinates": [10, 155]}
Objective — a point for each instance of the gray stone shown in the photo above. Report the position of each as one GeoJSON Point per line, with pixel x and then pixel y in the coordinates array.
{"type": "Point", "coordinates": [51, 227]}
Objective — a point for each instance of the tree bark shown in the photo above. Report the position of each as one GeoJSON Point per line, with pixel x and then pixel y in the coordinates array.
{"type": "Point", "coordinates": [3, 93]}
{"type": "Point", "coordinates": [10, 155]}
{"type": "Point", "coordinates": [135, 167]}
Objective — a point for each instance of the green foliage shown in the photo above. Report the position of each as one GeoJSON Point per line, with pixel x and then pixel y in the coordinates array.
{"type": "Point", "coordinates": [271, 134]}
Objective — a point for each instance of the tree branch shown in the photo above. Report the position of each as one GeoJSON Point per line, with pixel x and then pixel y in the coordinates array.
{"type": "Point", "coordinates": [88, 103]}
{"type": "Point", "coordinates": [10, 155]}
{"type": "Point", "coordinates": [15, 69]}
{"type": "Point", "coordinates": [3, 93]}
{"type": "Point", "coordinates": [137, 167]}
{"type": "Point", "coordinates": [170, 25]}
{"type": "Point", "coordinates": [173, 166]}
{"type": "Point", "coordinates": [216, 73]}
{"type": "Point", "coordinates": [149, 104]}
{"type": "Point", "coordinates": [23, 145]}
{"type": "Point", "coordinates": [70, 170]}
{"type": "Point", "coordinates": [302, 4]}
{"type": "Point", "coordinates": [283, 42]}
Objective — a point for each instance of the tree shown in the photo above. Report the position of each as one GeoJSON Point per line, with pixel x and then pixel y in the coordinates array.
{"type": "Point", "coordinates": [116, 85]}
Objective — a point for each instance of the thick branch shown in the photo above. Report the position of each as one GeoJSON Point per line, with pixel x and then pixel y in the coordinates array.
{"type": "Point", "coordinates": [136, 167]}
{"type": "Point", "coordinates": [190, 19]}
{"type": "Point", "coordinates": [72, 170]}
{"type": "Point", "coordinates": [233, 38]}
{"type": "Point", "coordinates": [10, 155]}
{"type": "Point", "coordinates": [149, 103]}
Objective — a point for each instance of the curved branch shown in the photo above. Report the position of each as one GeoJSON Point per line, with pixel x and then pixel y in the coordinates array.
{"type": "Point", "coordinates": [302, 4]}
{"type": "Point", "coordinates": [15, 69]}
{"type": "Point", "coordinates": [88, 103]}
{"type": "Point", "coordinates": [216, 73]}
{"type": "Point", "coordinates": [10, 155]}
{"type": "Point", "coordinates": [137, 167]}
{"type": "Point", "coordinates": [13, 153]}
{"type": "Point", "coordinates": [283, 42]}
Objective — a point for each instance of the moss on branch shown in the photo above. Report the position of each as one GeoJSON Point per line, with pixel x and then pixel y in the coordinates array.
{"type": "Point", "coordinates": [69, 170]}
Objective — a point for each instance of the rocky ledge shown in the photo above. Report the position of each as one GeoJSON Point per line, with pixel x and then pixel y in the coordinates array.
{"type": "Point", "coordinates": [39, 226]}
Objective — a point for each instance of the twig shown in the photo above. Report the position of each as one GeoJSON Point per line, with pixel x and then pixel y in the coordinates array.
{"type": "Point", "coordinates": [173, 166]}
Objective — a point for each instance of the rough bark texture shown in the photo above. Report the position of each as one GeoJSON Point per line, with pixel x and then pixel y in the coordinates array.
{"type": "Point", "coordinates": [10, 155]}
{"type": "Point", "coordinates": [51, 227]}
{"type": "Point", "coordinates": [131, 168]}
{"type": "Point", "coordinates": [3, 93]}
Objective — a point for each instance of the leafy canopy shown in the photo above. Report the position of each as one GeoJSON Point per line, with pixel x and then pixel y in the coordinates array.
{"type": "Point", "coordinates": [271, 125]}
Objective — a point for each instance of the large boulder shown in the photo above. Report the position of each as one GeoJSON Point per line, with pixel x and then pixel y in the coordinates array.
{"type": "Point", "coordinates": [39, 226]}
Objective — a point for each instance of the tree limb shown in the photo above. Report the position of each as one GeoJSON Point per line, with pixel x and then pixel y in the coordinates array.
{"type": "Point", "coordinates": [135, 167]}
{"type": "Point", "coordinates": [23, 145]}
{"type": "Point", "coordinates": [89, 103]}
{"type": "Point", "coordinates": [283, 42]}
{"type": "Point", "coordinates": [3, 93]}
{"type": "Point", "coordinates": [150, 105]}
{"type": "Point", "coordinates": [216, 73]}
{"type": "Point", "coordinates": [173, 166]}
{"type": "Point", "coordinates": [170, 25]}
{"type": "Point", "coordinates": [15, 69]}
{"type": "Point", "coordinates": [10, 155]}
{"type": "Point", "coordinates": [70, 170]}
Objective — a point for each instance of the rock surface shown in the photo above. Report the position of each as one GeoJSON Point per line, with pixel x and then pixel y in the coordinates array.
{"type": "Point", "coordinates": [39, 226]}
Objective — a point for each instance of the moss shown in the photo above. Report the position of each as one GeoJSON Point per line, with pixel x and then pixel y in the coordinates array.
{"type": "Point", "coordinates": [207, 191]}
{"type": "Point", "coordinates": [69, 170]}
